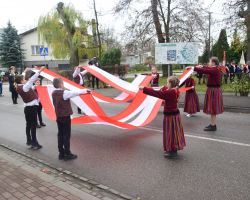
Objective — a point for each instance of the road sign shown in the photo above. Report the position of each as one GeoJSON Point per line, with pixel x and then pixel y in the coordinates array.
{"type": "Point", "coordinates": [44, 51]}
{"type": "Point", "coordinates": [177, 53]}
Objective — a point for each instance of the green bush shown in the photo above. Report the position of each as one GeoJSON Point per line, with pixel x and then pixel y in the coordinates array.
{"type": "Point", "coordinates": [111, 57]}
{"type": "Point", "coordinates": [66, 73]}
{"type": "Point", "coordinates": [139, 68]}
{"type": "Point", "coordinates": [242, 85]}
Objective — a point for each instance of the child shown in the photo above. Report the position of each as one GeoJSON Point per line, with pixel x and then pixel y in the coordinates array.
{"type": "Point", "coordinates": [78, 78]}
{"type": "Point", "coordinates": [39, 108]}
{"type": "Point", "coordinates": [156, 76]}
{"type": "Point", "coordinates": [191, 104]}
{"type": "Point", "coordinates": [24, 89]}
{"type": "Point", "coordinates": [61, 101]}
{"type": "Point", "coordinates": [173, 136]}
{"type": "Point", "coordinates": [213, 104]}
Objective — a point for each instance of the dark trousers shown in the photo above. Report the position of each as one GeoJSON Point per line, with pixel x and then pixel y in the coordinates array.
{"type": "Point", "coordinates": [64, 132]}
{"type": "Point", "coordinates": [1, 88]}
{"type": "Point", "coordinates": [95, 80]}
{"type": "Point", "coordinates": [14, 95]}
{"type": "Point", "coordinates": [31, 122]}
{"type": "Point", "coordinates": [39, 113]}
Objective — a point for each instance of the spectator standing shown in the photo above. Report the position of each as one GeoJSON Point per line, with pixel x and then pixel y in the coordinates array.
{"type": "Point", "coordinates": [95, 80]}
{"type": "Point", "coordinates": [12, 88]}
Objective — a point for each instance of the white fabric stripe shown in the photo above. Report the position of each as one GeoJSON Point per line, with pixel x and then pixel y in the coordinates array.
{"type": "Point", "coordinates": [137, 81]}
{"type": "Point", "coordinates": [115, 80]}
{"type": "Point", "coordinates": [183, 79]}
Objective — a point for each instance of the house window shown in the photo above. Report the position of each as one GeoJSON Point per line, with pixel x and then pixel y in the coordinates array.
{"type": "Point", "coordinates": [35, 49]}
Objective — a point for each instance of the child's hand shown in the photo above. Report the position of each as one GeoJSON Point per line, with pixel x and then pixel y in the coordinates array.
{"type": "Point", "coordinates": [42, 68]}
{"type": "Point", "coordinates": [141, 87]}
{"type": "Point", "coordinates": [88, 91]}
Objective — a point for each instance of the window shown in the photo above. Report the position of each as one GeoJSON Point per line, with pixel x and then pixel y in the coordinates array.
{"type": "Point", "coordinates": [35, 49]}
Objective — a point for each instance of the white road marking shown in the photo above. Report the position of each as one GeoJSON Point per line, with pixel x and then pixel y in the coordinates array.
{"type": "Point", "coordinates": [203, 138]}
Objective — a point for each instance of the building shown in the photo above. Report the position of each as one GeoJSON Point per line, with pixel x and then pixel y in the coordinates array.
{"type": "Point", "coordinates": [31, 46]}
{"type": "Point", "coordinates": [143, 58]}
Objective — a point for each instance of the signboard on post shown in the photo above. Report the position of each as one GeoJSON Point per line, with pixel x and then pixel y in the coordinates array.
{"type": "Point", "coordinates": [177, 53]}
{"type": "Point", "coordinates": [44, 51]}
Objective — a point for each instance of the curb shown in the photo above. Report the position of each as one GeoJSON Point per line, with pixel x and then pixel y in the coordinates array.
{"type": "Point", "coordinates": [91, 182]}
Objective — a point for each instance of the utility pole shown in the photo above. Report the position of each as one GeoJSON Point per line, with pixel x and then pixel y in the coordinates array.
{"type": "Point", "coordinates": [209, 35]}
{"type": "Point", "coordinates": [98, 33]}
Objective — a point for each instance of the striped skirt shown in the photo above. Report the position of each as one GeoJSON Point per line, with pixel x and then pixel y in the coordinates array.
{"type": "Point", "coordinates": [173, 135]}
{"type": "Point", "coordinates": [191, 104]}
{"type": "Point", "coordinates": [213, 103]}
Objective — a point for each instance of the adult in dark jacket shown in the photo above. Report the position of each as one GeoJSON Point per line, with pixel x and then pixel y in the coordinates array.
{"type": "Point", "coordinates": [12, 88]}
{"type": "Point", "coordinates": [95, 62]}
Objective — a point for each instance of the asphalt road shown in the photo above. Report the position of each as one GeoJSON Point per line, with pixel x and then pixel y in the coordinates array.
{"type": "Point", "coordinates": [212, 166]}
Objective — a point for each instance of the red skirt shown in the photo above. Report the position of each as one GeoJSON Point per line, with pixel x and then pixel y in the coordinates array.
{"type": "Point", "coordinates": [213, 103]}
{"type": "Point", "coordinates": [191, 104]}
{"type": "Point", "coordinates": [173, 135]}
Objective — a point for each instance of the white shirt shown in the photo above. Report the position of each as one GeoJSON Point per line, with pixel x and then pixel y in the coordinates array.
{"type": "Point", "coordinates": [29, 85]}
{"type": "Point", "coordinates": [78, 72]}
{"type": "Point", "coordinates": [70, 94]}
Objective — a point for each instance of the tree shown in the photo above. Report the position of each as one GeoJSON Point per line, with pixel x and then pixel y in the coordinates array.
{"type": "Point", "coordinates": [170, 20]}
{"type": "Point", "coordinates": [97, 31]}
{"type": "Point", "coordinates": [221, 45]}
{"type": "Point", "coordinates": [238, 10]}
{"type": "Point", "coordinates": [10, 47]}
{"type": "Point", "coordinates": [237, 46]}
{"type": "Point", "coordinates": [205, 56]}
{"type": "Point", "coordinates": [65, 30]}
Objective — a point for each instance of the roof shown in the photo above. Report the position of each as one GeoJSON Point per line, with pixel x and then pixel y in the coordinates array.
{"type": "Point", "coordinates": [28, 32]}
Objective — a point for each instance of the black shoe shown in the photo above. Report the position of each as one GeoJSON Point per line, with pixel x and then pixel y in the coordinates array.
{"type": "Point", "coordinates": [15, 103]}
{"type": "Point", "coordinates": [211, 128]}
{"type": "Point", "coordinates": [28, 144]}
{"type": "Point", "coordinates": [38, 126]}
{"type": "Point", "coordinates": [208, 126]}
{"type": "Point", "coordinates": [70, 157]}
{"type": "Point", "coordinates": [61, 156]}
{"type": "Point", "coordinates": [42, 124]}
{"type": "Point", "coordinates": [170, 154]}
{"type": "Point", "coordinates": [36, 147]}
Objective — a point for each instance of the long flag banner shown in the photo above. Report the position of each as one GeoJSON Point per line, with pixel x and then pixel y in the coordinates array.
{"type": "Point", "coordinates": [141, 111]}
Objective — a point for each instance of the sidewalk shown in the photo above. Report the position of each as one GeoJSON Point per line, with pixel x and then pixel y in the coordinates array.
{"type": "Point", "coordinates": [24, 178]}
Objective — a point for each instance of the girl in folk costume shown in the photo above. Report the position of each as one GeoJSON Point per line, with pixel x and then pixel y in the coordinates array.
{"type": "Point", "coordinates": [213, 103]}
{"type": "Point", "coordinates": [156, 76]}
{"type": "Point", "coordinates": [173, 135]}
{"type": "Point", "coordinates": [191, 104]}
{"type": "Point", "coordinates": [78, 78]}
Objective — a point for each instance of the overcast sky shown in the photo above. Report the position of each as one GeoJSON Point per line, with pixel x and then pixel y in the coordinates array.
{"type": "Point", "coordinates": [24, 14]}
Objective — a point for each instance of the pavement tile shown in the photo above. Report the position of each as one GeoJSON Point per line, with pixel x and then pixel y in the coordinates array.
{"type": "Point", "coordinates": [24, 179]}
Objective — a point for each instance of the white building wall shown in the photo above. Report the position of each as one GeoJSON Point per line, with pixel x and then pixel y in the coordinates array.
{"type": "Point", "coordinates": [31, 39]}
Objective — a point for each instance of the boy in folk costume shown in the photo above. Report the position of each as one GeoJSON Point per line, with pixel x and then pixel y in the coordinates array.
{"type": "Point", "coordinates": [213, 104]}
{"type": "Point", "coordinates": [78, 78]}
{"type": "Point", "coordinates": [191, 103]}
{"type": "Point", "coordinates": [156, 76]}
{"type": "Point", "coordinates": [173, 135]}
{"type": "Point", "coordinates": [61, 100]}
{"type": "Point", "coordinates": [25, 90]}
